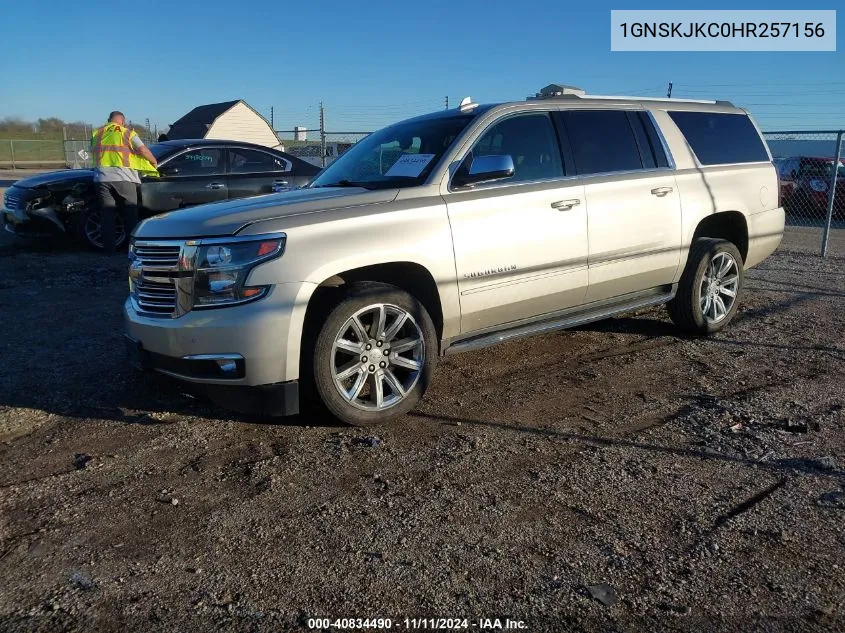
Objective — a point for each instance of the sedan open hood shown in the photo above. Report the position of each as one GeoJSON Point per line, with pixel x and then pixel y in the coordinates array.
{"type": "Point", "coordinates": [55, 178]}
{"type": "Point", "coordinates": [219, 219]}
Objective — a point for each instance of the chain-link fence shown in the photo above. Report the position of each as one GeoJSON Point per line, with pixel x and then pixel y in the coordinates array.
{"type": "Point", "coordinates": [811, 178]}
{"type": "Point", "coordinates": [24, 154]}
{"type": "Point", "coordinates": [78, 154]}
{"type": "Point", "coordinates": [21, 154]}
{"type": "Point", "coordinates": [317, 147]}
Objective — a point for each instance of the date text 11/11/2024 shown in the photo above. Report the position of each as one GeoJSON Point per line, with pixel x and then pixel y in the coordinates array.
{"type": "Point", "coordinates": [418, 624]}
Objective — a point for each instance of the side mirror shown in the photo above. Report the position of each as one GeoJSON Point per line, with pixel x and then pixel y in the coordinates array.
{"type": "Point", "coordinates": [169, 171]}
{"type": "Point", "coordinates": [487, 169]}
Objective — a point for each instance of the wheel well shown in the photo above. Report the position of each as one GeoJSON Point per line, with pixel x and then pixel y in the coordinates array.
{"type": "Point", "coordinates": [412, 278]}
{"type": "Point", "coordinates": [727, 225]}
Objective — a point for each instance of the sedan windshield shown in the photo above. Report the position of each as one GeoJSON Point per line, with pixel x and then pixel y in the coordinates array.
{"type": "Point", "coordinates": [401, 155]}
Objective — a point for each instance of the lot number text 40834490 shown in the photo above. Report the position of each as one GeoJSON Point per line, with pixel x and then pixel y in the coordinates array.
{"type": "Point", "coordinates": [419, 624]}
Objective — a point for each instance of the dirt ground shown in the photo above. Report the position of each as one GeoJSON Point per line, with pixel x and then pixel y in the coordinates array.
{"type": "Point", "coordinates": [618, 477]}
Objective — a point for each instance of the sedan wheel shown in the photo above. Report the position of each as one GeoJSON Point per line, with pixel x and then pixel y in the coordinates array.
{"type": "Point", "coordinates": [92, 229]}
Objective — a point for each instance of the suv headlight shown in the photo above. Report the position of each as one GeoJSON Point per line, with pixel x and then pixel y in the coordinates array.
{"type": "Point", "coordinates": [817, 184]}
{"type": "Point", "coordinates": [222, 269]}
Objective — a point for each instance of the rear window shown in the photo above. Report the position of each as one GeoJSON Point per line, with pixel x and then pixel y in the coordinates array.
{"type": "Point", "coordinates": [721, 138]}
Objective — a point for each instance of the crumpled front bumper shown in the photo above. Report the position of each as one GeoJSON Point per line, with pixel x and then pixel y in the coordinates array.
{"type": "Point", "coordinates": [41, 222]}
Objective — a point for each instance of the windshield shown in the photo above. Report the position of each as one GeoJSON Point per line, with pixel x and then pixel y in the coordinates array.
{"type": "Point", "coordinates": [401, 155]}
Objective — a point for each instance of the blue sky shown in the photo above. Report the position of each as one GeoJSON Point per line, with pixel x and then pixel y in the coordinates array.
{"type": "Point", "coordinates": [374, 62]}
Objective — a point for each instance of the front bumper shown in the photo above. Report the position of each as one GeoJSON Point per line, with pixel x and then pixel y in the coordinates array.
{"type": "Point", "coordinates": [257, 344]}
{"type": "Point", "coordinates": [23, 224]}
{"type": "Point", "coordinates": [280, 399]}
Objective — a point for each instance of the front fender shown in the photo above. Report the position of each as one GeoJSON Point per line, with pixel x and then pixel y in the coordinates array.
{"type": "Point", "coordinates": [320, 246]}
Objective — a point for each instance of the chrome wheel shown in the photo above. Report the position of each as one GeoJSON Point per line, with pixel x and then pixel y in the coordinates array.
{"type": "Point", "coordinates": [94, 229]}
{"type": "Point", "coordinates": [719, 287]}
{"type": "Point", "coordinates": [377, 357]}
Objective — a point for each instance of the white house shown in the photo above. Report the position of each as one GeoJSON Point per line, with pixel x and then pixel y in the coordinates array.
{"type": "Point", "coordinates": [230, 120]}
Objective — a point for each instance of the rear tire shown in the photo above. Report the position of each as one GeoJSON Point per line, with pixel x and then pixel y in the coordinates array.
{"type": "Point", "coordinates": [709, 289]}
{"type": "Point", "coordinates": [374, 354]}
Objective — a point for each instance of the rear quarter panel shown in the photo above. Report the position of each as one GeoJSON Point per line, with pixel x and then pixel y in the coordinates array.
{"type": "Point", "coordinates": [749, 188]}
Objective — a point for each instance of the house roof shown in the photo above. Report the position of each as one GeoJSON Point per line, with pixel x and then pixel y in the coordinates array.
{"type": "Point", "coordinates": [198, 121]}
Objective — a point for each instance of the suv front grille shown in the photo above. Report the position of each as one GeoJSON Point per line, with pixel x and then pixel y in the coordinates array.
{"type": "Point", "coordinates": [154, 275]}
{"type": "Point", "coordinates": [156, 297]}
{"type": "Point", "coordinates": [158, 256]}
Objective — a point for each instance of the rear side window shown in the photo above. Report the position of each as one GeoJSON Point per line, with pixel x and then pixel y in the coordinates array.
{"type": "Point", "coordinates": [654, 141]}
{"type": "Point", "coordinates": [718, 138]}
{"type": "Point", "coordinates": [646, 152]}
{"type": "Point", "coordinates": [602, 141]}
{"type": "Point", "coordinates": [243, 160]}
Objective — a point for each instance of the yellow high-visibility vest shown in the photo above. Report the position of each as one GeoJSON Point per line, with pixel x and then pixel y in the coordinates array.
{"type": "Point", "coordinates": [112, 147]}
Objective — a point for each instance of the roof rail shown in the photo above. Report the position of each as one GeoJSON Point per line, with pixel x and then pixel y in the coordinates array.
{"type": "Point", "coordinates": [588, 97]}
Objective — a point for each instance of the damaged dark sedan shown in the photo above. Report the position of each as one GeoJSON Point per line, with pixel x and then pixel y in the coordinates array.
{"type": "Point", "coordinates": [192, 172]}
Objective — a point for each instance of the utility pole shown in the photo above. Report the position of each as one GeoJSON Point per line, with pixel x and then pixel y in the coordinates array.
{"type": "Point", "coordinates": [271, 118]}
{"type": "Point", "coordinates": [322, 135]}
{"type": "Point", "coordinates": [447, 102]}
{"type": "Point", "coordinates": [669, 93]}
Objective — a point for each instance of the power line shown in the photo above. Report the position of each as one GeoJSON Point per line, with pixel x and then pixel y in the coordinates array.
{"type": "Point", "coordinates": [767, 85]}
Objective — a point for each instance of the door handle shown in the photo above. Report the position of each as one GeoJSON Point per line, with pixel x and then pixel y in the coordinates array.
{"type": "Point", "coordinates": [661, 191]}
{"type": "Point", "coordinates": [215, 185]}
{"type": "Point", "coordinates": [565, 205]}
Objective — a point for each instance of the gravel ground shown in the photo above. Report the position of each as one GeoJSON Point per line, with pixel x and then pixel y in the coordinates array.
{"type": "Point", "coordinates": [618, 477]}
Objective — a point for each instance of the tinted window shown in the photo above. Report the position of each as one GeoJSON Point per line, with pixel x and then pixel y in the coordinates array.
{"type": "Point", "coordinates": [602, 141]}
{"type": "Point", "coordinates": [646, 152]}
{"type": "Point", "coordinates": [252, 161]}
{"type": "Point", "coordinates": [721, 138]}
{"type": "Point", "coordinates": [531, 142]}
{"type": "Point", "coordinates": [654, 141]}
{"type": "Point", "coordinates": [197, 162]}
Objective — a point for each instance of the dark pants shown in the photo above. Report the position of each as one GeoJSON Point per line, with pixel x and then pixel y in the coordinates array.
{"type": "Point", "coordinates": [116, 197]}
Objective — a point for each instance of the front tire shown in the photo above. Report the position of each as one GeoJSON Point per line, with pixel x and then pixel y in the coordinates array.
{"type": "Point", "coordinates": [89, 228]}
{"type": "Point", "coordinates": [374, 355]}
{"type": "Point", "coordinates": [708, 293]}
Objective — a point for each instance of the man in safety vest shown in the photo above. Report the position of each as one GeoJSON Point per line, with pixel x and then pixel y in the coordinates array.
{"type": "Point", "coordinates": [119, 157]}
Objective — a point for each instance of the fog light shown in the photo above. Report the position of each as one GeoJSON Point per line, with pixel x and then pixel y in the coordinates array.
{"type": "Point", "coordinates": [227, 366]}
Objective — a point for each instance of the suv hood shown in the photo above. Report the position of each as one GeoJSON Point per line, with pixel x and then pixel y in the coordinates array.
{"type": "Point", "coordinates": [55, 178]}
{"type": "Point", "coordinates": [219, 219]}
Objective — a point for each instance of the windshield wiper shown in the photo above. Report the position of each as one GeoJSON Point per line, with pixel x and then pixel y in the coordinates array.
{"type": "Point", "coordinates": [346, 183]}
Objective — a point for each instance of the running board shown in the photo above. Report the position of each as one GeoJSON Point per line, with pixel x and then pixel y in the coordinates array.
{"type": "Point", "coordinates": [572, 318]}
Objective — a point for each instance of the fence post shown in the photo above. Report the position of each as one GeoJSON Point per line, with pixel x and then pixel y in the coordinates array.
{"type": "Point", "coordinates": [831, 194]}
{"type": "Point", "coordinates": [322, 136]}
{"type": "Point", "coordinates": [12, 151]}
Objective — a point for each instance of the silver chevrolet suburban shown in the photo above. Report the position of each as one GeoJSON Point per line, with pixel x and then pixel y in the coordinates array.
{"type": "Point", "coordinates": [449, 232]}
